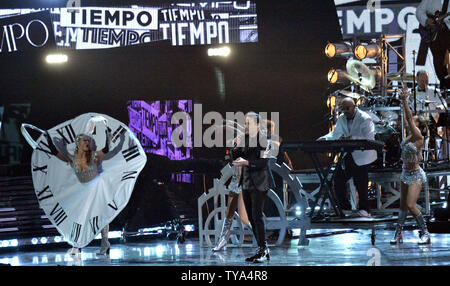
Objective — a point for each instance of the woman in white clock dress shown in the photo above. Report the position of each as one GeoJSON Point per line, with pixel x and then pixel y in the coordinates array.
{"type": "Point", "coordinates": [87, 164]}
{"type": "Point", "coordinates": [85, 187]}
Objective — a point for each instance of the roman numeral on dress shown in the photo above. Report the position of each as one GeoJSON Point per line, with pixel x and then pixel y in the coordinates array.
{"type": "Point", "coordinates": [129, 175]}
{"type": "Point", "coordinates": [113, 205]}
{"type": "Point", "coordinates": [75, 234]}
{"type": "Point", "coordinates": [42, 169]}
{"type": "Point", "coordinates": [117, 133]}
{"type": "Point", "coordinates": [94, 224]}
{"type": "Point", "coordinates": [44, 194]}
{"type": "Point", "coordinates": [131, 153]}
{"type": "Point", "coordinates": [58, 214]}
{"type": "Point", "coordinates": [44, 147]}
{"type": "Point", "coordinates": [67, 133]}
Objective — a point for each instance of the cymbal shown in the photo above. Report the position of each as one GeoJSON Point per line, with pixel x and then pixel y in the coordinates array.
{"type": "Point", "coordinates": [347, 93]}
{"type": "Point", "coordinates": [360, 74]}
{"type": "Point", "coordinates": [400, 76]}
{"type": "Point", "coordinates": [374, 117]}
{"type": "Point", "coordinates": [388, 114]}
{"type": "Point", "coordinates": [426, 101]}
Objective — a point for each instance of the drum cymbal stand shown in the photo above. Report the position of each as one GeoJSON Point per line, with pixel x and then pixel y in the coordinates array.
{"type": "Point", "coordinates": [426, 150]}
{"type": "Point", "coordinates": [402, 115]}
{"type": "Point", "coordinates": [414, 81]}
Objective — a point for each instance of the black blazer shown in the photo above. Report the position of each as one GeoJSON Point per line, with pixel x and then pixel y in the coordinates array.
{"type": "Point", "coordinates": [261, 176]}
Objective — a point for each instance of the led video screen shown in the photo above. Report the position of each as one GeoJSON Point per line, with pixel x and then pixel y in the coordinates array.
{"type": "Point", "coordinates": [150, 121]}
{"type": "Point", "coordinates": [199, 23]}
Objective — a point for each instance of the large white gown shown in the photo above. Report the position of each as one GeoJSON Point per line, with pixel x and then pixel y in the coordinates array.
{"type": "Point", "coordinates": [80, 210]}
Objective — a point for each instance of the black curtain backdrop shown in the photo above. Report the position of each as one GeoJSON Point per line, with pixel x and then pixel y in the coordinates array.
{"type": "Point", "coordinates": [285, 72]}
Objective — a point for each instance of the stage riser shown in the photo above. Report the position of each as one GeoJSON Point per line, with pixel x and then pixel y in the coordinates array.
{"type": "Point", "coordinates": [387, 183]}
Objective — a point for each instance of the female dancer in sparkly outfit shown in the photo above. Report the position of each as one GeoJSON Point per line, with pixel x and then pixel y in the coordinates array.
{"type": "Point", "coordinates": [235, 201]}
{"type": "Point", "coordinates": [413, 177]}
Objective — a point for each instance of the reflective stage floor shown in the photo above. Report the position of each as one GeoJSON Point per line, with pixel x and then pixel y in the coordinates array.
{"type": "Point", "coordinates": [335, 249]}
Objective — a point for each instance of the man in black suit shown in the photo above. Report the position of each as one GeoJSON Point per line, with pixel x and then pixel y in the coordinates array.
{"type": "Point", "coordinates": [256, 180]}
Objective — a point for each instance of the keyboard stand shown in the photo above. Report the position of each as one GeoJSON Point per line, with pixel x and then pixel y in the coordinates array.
{"type": "Point", "coordinates": [326, 190]}
{"type": "Point", "coordinates": [338, 148]}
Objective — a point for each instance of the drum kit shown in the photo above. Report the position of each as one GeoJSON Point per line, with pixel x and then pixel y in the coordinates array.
{"type": "Point", "coordinates": [385, 111]}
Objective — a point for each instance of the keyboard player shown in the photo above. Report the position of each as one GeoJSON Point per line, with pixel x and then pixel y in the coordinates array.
{"type": "Point", "coordinates": [353, 124]}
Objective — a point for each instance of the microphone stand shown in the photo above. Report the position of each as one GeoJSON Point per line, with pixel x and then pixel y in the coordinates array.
{"type": "Point", "coordinates": [438, 95]}
{"type": "Point", "coordinates": [414, 81]}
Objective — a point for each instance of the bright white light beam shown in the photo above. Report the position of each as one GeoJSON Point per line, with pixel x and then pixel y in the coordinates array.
{"type": "Point", "coordinates": [56, 59]}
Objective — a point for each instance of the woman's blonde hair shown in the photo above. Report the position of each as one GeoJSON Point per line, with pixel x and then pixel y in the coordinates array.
{"type": "Point", "coordinates": [80, 138]}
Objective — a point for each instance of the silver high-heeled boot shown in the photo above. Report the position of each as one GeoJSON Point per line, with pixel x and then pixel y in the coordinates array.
{"type": "Point", "coordinates": [398, 236]}
{"type": "Point", "coordinates": [225, 234]}
{"type": "Point", "coordinates": [424, 235]}
{"type": "Point", "coordinates": [105, 245]}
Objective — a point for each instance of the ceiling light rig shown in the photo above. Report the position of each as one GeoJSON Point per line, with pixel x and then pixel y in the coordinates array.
{"type": "Point", "coordinates": [363, 51]}
{"type": "Point", "coordinates": [342, 50]}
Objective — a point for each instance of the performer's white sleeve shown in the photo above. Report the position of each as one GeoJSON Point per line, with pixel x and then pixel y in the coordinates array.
{"type": "Point", "coordinates": [421, 13]}
{"type": "Point", "coordinates": [367, 130]}
{"type": "Point", "coordinates": [337, 132]}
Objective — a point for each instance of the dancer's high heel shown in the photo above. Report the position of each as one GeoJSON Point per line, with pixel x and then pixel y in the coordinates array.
{"type": "Point", "coordinates": [398, 236]}
{"type": "Point", "coordinates": [105, 248]}
{"type": "Point", "coordinates": [424, 235]}
{"type": "Point", "coordinates": [105, 245]}
{"type": "Point", "coordinates": [224, 236]}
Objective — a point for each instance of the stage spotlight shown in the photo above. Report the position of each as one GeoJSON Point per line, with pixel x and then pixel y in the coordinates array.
{"type": "Point", "coordinates": [56, 59]}
{"type": "Point", "coordinates": [338, 50]}
{"type": "Point", "coordinates": [189, 227]}
{"type": "Point", "coordinates": [335, 76]}
{"type": "Point", "coordinates": [367, 51]}
{"type": "Point", "coordinates": [219, 52]}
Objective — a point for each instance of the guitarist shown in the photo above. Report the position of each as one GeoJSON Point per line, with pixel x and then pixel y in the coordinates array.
{"type": "Point", "coordinates": [427, 12]}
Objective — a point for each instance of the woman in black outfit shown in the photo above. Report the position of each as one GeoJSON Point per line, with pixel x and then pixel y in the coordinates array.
{"type": "Point", "coordinates": [256, 180]}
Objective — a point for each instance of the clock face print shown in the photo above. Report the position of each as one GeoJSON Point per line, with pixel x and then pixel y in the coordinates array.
{"type": "Point", "coordinates": [80, 210]}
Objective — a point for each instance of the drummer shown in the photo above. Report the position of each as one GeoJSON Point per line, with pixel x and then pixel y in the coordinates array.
{"type": "Point", "coordinates": [427, 98]}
